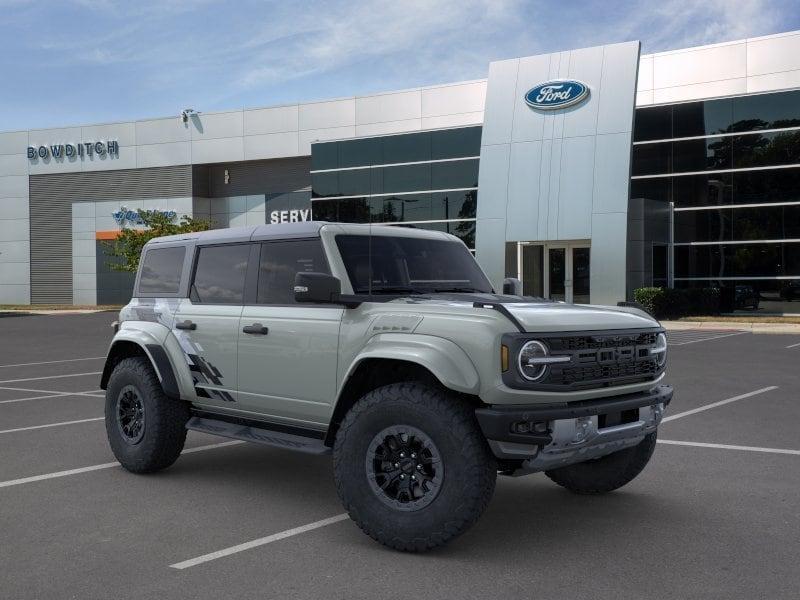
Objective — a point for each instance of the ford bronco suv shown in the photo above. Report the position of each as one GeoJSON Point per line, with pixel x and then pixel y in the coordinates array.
{"type": "Point", "coordinates": [389, 348]}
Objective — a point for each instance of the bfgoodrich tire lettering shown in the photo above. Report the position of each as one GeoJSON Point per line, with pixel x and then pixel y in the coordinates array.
{"type": "Point", "coordinates": [449, 426]}
{"type": "Point", "coordinates": [607, 473]}
{"type": "Point", "coordinates": [156, 440]}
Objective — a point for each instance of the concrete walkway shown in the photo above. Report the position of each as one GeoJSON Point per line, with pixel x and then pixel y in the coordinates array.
{"type": "Point", "coordinates": [752, 326]}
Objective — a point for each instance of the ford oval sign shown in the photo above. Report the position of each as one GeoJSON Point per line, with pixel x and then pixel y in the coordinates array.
{"type": "Point", "coordinates": [556, 94]}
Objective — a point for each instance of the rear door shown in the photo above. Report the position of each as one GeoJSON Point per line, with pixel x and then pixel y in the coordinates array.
{"type": "Point", "coordinates": [288, 351]}
{"type": "Point", "coordinates": [207, 323]}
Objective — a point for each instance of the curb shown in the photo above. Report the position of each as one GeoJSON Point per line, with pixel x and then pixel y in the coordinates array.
{"type": "Point", "coordinates": [753, 327]}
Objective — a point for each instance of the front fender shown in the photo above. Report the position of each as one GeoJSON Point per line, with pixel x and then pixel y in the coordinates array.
{"type": "Point", "coordinates": [446, 360]}
{"type": "Point", "coordinates": [162, 350]}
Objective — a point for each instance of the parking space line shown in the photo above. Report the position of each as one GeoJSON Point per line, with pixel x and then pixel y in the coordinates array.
{"type": "Point", "coordinates": [259, 542]}
{"type": "Point", "coordinates": [51, 425]}
{"type": "Point", "coordinates": [51, 377]}
{"type": "Point", "coordinates": [793, 346]}
{"type": "Point", "coordinates": [720, 403]}
{"type": "Point", "coordinates": [51, 362]}
{"type": "Point", "coordinates": [50, 394]}
{"type": "Point", "coordinates": [706, 337]}
{"type": "Point", "coordinates": [69, 472]}
{"type": "Point", "coordinates": [730, 447]}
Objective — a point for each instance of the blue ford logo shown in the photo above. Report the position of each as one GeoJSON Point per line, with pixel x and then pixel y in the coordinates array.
{"type": "Point", "coordinates": [556, 94]}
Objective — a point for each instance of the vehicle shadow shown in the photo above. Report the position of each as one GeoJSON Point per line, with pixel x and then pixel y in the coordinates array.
{"type": "Point", "coordinates": [527, 514]}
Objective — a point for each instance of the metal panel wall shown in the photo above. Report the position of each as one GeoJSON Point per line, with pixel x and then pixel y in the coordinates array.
{"type": "Point", "coordinates": [51, 198]}
{"type": "Point", "coordinates": [256, 177]}
{"type": "Point", "coordinates": [559, 175]}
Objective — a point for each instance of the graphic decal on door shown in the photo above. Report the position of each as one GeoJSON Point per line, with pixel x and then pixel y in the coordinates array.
{"type": "Point", "coordinates": [203, 372]}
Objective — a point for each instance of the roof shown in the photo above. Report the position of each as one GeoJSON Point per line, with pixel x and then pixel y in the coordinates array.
{"type": "Point", "coordinates": [301, 229]}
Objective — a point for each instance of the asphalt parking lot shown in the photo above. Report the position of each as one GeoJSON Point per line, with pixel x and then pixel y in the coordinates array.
{"type": "Point", "coordinates": [715, 515]}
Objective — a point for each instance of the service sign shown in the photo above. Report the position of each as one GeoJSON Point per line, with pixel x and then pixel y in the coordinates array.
{"type": "Point", "coordinates": [553, 95]}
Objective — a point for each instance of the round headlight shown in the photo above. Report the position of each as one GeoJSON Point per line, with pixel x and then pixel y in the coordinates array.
{"type": "Point", "coordinates": [660, 350]}
{"type": "Point", "coordinates": [529, 359]}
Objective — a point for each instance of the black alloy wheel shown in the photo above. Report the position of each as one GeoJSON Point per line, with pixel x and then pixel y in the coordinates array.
{"type": "Point", "coordinates": [404, 467]}
{"type": "Point", "coordinates": [130, 414]}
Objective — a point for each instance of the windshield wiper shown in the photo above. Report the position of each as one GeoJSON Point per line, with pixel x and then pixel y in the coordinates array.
{"type": "Point", "coordinates": [460, 290]}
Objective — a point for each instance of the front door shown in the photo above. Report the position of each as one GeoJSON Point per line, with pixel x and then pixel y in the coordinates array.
{"type": "Point", "coordinates": [288, 352]}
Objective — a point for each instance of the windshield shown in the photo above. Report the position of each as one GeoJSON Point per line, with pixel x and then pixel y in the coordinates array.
{"type": "Point", "coordinates": [399, 265]}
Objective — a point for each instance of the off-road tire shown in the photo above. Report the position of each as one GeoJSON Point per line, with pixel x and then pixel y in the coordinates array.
{"type": "Point", "coordinates": [607, 473]}
{"type": "Point", "coordinates": [469, 472]}
{"type": "Point", "coordinates": [164, 419]}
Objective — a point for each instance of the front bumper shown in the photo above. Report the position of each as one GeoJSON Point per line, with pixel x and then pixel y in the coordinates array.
{"type": "Point", "coordinates": [554, 435]}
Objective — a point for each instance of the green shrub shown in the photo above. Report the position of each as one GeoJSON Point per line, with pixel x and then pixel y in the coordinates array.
{"type": "Point", "coordinates": [668, 303]}
{"type": "Point", "coordinates": [651, 298]}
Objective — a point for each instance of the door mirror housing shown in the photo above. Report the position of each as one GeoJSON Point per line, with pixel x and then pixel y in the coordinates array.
{"type": "Point", "coordinates": [512, 286]}
{"type": "Point", "coordinates": [319, 288]}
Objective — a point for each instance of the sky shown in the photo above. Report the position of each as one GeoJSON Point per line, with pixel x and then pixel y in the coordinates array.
{"type": "Point", "coordinates": [73, 62]}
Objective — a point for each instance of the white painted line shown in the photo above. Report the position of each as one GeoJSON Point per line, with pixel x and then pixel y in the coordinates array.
{"type": "Point", "coordinates": [52, 362]}
{"type": "Point", "coordinates": [720, 403]}
{"type": "Point", "coordinates": [51, 377]}
{"type": "Point", "coordinates": [792, 346]}
{"type": "Point", "coordinates": [54, 395]}
{"type": "Point", "coordinates": [729, 447]}
{"type": "Point", "coordinates": [92, 393]}
{"type": "Point", "coordinates": [707, 338]}
{"type": "Point", "coordinates": [192, 562]}
{"type": "Point", "coordinates": [58, 474]}
{"type": "Point", "coordinates": [51, 425]}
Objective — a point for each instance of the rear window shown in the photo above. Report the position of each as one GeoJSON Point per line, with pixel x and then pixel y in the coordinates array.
{"type": "Point", "coordinates": [220, 274]}
{"type": "Point", "coordinates": [161, 270]}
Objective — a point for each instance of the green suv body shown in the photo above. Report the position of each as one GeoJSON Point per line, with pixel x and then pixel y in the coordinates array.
{"type": "Point", "coordinates": [388, 347]}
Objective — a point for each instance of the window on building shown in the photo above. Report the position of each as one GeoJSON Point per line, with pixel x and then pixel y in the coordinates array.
{"type": "Point", "coordinates": [220, 274]}
{"type": "Point", "coordinates": [736, 196]}
{"type": "Point", "coordinates": [161, 270]}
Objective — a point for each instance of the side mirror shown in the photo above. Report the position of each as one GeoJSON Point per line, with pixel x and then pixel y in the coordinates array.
{"type": "Point", "coordinates": [512, 286]}
{"type": "Point", "coordinates": [320, 288]}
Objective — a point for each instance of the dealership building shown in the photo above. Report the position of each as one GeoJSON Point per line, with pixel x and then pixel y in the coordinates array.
{"type": "Point", "coordinates": [586, 173]}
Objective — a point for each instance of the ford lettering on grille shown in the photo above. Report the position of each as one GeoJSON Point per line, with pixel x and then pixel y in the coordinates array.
{"type": "Point", "coordinates": [600, 360]}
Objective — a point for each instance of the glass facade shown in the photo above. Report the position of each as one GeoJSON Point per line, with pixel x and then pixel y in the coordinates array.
{"type": "Point", "coordinates": [731, 169]}
{"type": "Point", "coordinates": [427, 179]}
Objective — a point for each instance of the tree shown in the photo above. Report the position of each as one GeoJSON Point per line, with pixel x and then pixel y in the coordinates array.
{"type": "Point", "coordinates": [127, 248]}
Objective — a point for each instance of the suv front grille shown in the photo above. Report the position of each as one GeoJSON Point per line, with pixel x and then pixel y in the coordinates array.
{"type": "Point", "coordinates": [596, 360]}
{"type": "Point", "coordinates": [602, 360]}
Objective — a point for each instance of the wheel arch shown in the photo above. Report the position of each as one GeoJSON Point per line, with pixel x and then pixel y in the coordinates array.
{"type": "Point", "coordinates": [436, 361]}
{"type": "Point", "coordinates": [125, 347]}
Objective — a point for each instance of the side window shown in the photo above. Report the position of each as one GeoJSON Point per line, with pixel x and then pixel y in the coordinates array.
{"type": "Point", "coordinates": [220, 274]}
{"type": "Point", "coordinates": [280, 262]}
{"type": "Point", "coordinates": [161, 270]}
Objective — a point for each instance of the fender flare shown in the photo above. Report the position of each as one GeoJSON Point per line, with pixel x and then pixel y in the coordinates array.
{"type": "Point", "coordinates": [151, 344]}
{"type": "Point", "coordinates": [442, 357]}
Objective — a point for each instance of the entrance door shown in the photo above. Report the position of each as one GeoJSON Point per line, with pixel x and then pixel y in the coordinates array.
{"type": "Point", "coordinates": [558, 271]}
{"type": "Point", "coordinates": [567, 269]}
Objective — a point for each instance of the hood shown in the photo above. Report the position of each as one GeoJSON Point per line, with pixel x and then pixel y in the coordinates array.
{"type": "Point", "coordinates": [556, 316]}
{"type": "Point", "coordinates": [544, 315]}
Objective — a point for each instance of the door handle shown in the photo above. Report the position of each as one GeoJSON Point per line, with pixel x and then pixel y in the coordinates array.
{"type": "Point", "coordinates": [186, 325]}
{"type": "Point", "coordinates": [257, 328]}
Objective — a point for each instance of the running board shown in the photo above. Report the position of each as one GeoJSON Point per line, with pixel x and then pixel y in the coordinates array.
{"type": "Point", "coordinates": [259, 435]}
